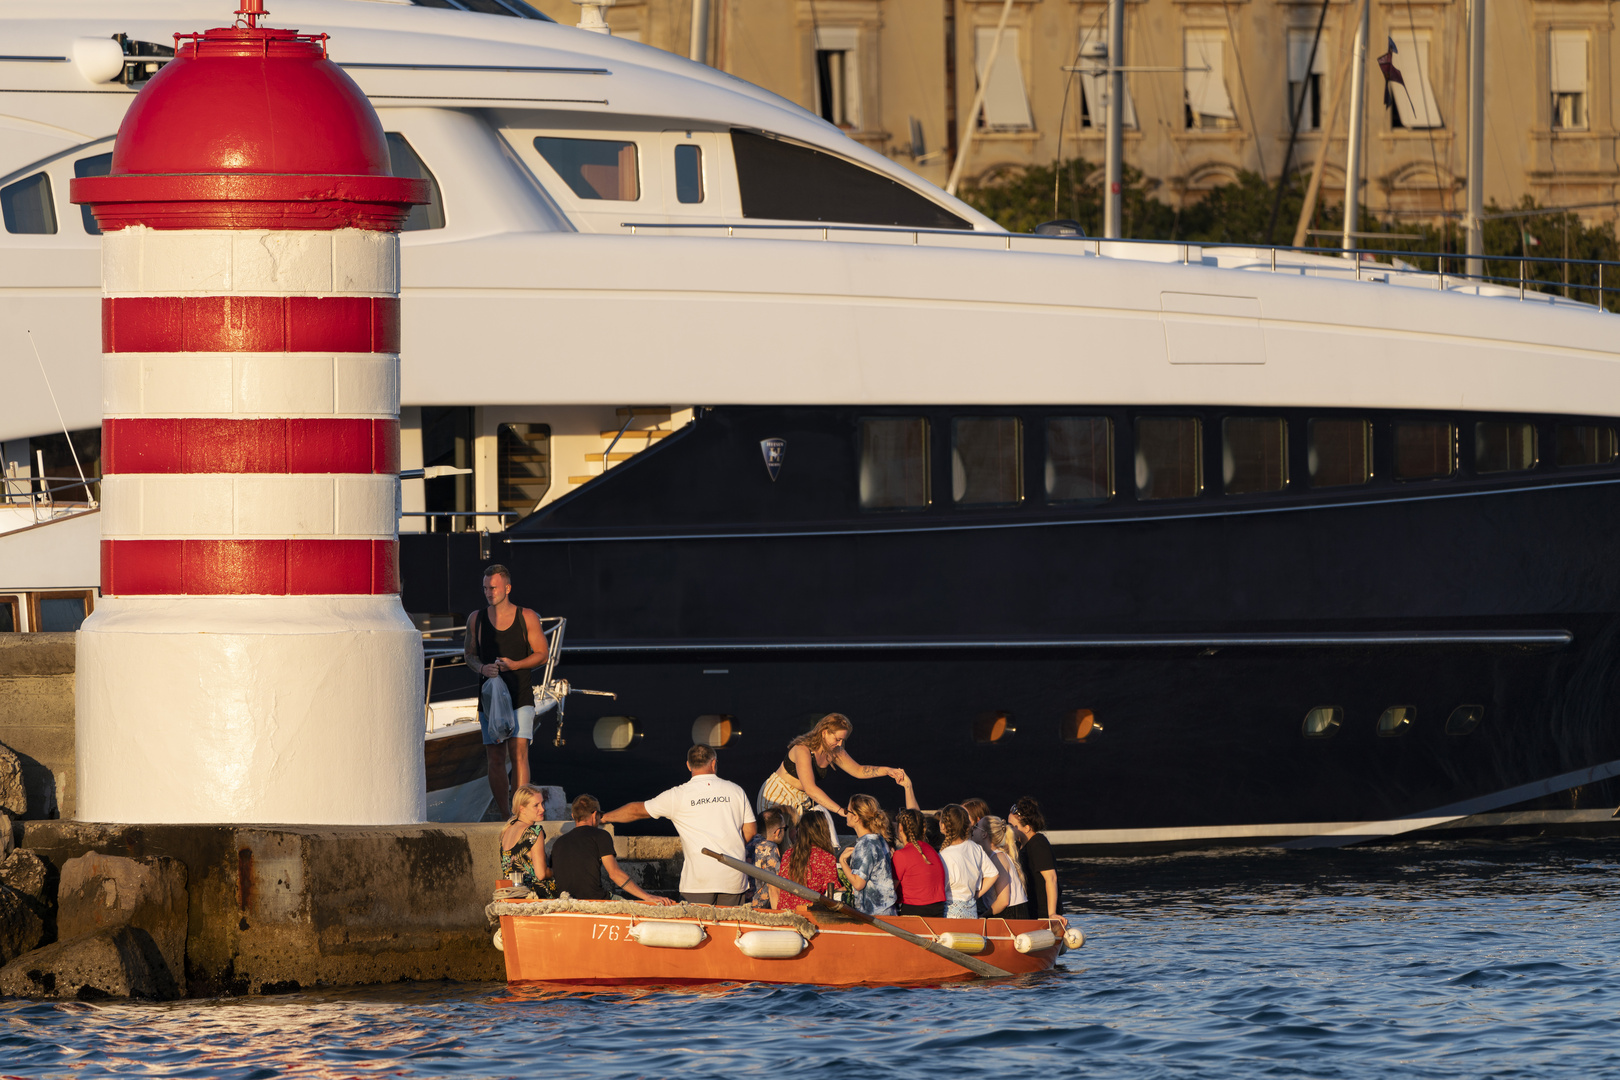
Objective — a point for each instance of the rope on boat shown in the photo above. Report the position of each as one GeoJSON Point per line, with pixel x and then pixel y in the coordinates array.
{"type": "Point", "coordinates": [790, 920]}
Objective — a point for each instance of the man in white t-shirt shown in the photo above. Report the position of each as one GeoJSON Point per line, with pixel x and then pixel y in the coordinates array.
{"type": "Point", "coordinates": [710, 813]}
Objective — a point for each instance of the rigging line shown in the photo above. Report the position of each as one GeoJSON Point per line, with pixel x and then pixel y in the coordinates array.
{"type": "Point", "coordinates": [41, 361]}
{"type": "Point", "coordinates": [1063, 113]}
{"type": "Point", "coordinates": [1299, 108]}
{"type": "Point", "coordinates": [1243, 81]}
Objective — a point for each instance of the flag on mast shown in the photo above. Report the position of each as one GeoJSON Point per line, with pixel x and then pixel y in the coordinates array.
{"type": "Point", "coordinates": [1392, 74]}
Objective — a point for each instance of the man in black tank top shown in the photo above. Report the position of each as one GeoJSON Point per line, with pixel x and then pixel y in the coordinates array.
{"type": "Point", "coordinates": [505, 641]}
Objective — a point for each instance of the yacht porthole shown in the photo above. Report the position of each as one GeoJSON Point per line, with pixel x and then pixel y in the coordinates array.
{"type": "Point", "coordinates": [715, 729]}
{"type": "Point", "coordinates": [1396, 720]}
{"type": "Point", "coordinates": [1078, 725]}
{"type": "Point", "coordinates": [992, 727]}
{"type": "Point", "coordinates": [615, 732]}
{"type": "Point", "coordinates": [1464, 718]}
{"type": "Point", "coordinates": [1322, 722]}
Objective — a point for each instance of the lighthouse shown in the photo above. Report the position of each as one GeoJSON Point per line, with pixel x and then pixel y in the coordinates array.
{"type": "Point", "coordinates": [249, 660]}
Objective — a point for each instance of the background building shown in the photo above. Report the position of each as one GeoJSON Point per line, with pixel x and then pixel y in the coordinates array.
{"type": "Point", "coordinates": [900, 74]}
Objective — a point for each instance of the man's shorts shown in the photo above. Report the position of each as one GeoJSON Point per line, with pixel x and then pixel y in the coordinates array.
{"type": "Point", "coordinates": [525, 725]}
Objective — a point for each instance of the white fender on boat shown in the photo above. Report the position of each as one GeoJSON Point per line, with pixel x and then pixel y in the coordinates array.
{"type": "Point", "coordinates": [668, 934]}
{"type": "Point", "coordinates": [1074, 937]}
{"type": "Point", "coordinates": [500, 946]}
{"type": "Point", "coordinates": [972, 944]}
{"type": "Point", "coordinates": [1035, 941]}
{"type": "Point", "coordinates": [771, 944]}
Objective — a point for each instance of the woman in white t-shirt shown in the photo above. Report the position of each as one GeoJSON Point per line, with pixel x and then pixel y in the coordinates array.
{"type": "Point", "coordinates": [1008, 898]}
{"type": "Point", "coordinates": [969, 873]}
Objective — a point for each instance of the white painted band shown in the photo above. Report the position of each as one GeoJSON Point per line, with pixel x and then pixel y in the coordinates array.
{"type": "Point", "coordinates": [250, 384]}
{"type": "Point", "coordinates": [215, 505]}
{"type": "Point", "coordinates": [138, 261]}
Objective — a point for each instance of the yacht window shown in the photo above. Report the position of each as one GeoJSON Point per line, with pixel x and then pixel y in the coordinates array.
{"type": "Point", "coordinates": [98, 165]}
{"type": "Point", "coordinates": [523, 461]}
{"type": "Point", "coordinates": [1078, 725]}
{"type": "Point", "coordinates": [59, 612]}
{"type": "Point", "coordinates": [1169, 461]}
{"type": "Point", "coordinates": [715, 730]}
{"type": "Point", "coordinates": [987, 460]}
{"type": "Point", "coordinates": [1254, 454]}
{"type": "Point", "coordinates": [1424, 449]}
{"type": "Point", "coordinates": [10, 623]}
{"type": "Point", "coordinates": [785, 181]}
{"type": "Point", "coordinates": [615, 732]}
{"type": "Point", "coordinates": [689, 173]}
{"type": "Point", "coordinates": [1504, 446]}
{"type": "Point", "coordinates": [404, 161]}
{"type": "Point", "coordinates": [489, 7]}
{"type": "Point", "coordinates": [1396, 720]}
{"type": "Point", "coordinates": [447, 439]}
{"type": "Point", "coordinates": [1322, 722]}
{"type": "Point", "coordinates": [594, 168]}
{"type": "Point", "coordinates": [992, 727]}
{"type": "Point", "coordinates": [1585, 444]}
{"type": "Point", "coordinates": [1340, 452]}
{"type": "Point", "coordinates": [1464, 718]}
{"type": "Point", "coordinates": [27, 206]}
{"type": "Point", "coordinates": [894, 463]}
{"type": "Point", "coordinates": [1079, 458]}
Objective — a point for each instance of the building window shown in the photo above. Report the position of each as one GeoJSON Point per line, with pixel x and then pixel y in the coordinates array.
{"type": "Point", "coordinates": [1504, 446]}
{"type": "Point", "coordinates": [594, 168]}
{"type": "Point", "coordinates": [1305, 75]}
{"type": "Point", "coordinates": [689, 173]}
{"type": "Point", "coordinates": [1208, 105]}
{"type": "Point", "coordinates": [785, 181]}
{"type": "Point", "coordinates": [1254, 454]}
{"type": "Point", "coordinates": [27, 207]}
{"type": "Point", "coordinates": [403, 160]}
{"type": "Point", "coordinates": [1567, 77]}
{"type": "Point", "coordinates": [1340, 453]}
{"type": "Point", "coordinates": [1425, 449]}
{"type": "Point", "coordinates": [1322, 722]}
{"type": "Point", "coordinates": [838, 76]}
{"type": "Point", "coordinates": [59, 612]}
{"type": "Point", "coordinates": [523, 462]}
{"type": "Point", "coordinates": [1585, 444]}
{"type": "Point", "coordinates": [894, 463]}
{"type": "Point", "coordinates": [1415, 104]}
{"type": "Point", "coordinates": [987, 460]}
{"type": "Point", "coordinates": [1396, 720]}
{"type": "Point", "coordinates": [1079, 459]}
{"type": "Point", "coordinates": [1094, 81]}
{"type": "Point", "coordinates": [95, 165]}
{"type": "Point", "coordinates": [1006, 108]}
{"type": "Point", "coordinates": [1169, 457]}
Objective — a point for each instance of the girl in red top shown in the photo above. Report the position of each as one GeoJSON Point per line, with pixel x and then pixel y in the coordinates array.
{"type": "Point", "coordinates": [919, 872]}
{"type": "Point", "coordinates": [810, 861]}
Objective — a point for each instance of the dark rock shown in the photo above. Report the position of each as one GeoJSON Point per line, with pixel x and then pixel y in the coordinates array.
{"type": "Point", "coordinates": [103, 892]}
{"type": "Point", "coordinates": [28, 874]}
{"type": "Point", "coordinates": [21, 926]}
{"type": "Point", "coordinates": [117, 962]}
{"type": "Point", "coordinates": [8, 836]}
{"type": "Point", "coordinates": [13, 793]}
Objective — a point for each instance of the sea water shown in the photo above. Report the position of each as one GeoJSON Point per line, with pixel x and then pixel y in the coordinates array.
{"type": "Point", "coordinates": [1463, 959]}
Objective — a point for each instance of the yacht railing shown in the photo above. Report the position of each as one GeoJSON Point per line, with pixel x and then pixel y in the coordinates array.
{"type": "Point", "coordinates": [1450, 268]}
{"type": "Point", "coordinates": [44, 501]}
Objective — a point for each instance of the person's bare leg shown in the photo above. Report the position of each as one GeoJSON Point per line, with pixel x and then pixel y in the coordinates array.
{"type": "Point", "coordinates": [520, 761]}
{"type": "Point", "coordinates": [497, 778]}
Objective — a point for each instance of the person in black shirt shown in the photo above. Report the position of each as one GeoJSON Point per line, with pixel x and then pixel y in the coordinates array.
{"type": "Point", "coordinates": [1035, 856]}
{"type": "Point", "coordinates": [580, 855]}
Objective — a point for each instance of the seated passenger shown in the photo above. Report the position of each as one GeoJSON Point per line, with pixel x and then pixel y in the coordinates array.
{"type": "Point", "coordinates": [809, 861]}
{"type": "Point", "coordinates": [867, 864]}
{"type": "Point", "coordinates": [969, 873]}
{"type": "Point", "coordinates": [580, 855]}
{"type": "Point", "coordinates": [919, 872]}
{"type": "Point", "coordinates": [1008, 898]}
{"type": "Point", "coordinates": [523, 843]}
{"type": "Point", "coordinates": [765, 852]}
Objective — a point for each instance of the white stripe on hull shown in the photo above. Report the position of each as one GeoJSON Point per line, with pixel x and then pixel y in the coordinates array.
{"type": "Point", "coordinates": [252, 262]}
{"type": "Point", "coordinates": [250, 384]}
{"type": "Point", "coordinates": [224, 506]}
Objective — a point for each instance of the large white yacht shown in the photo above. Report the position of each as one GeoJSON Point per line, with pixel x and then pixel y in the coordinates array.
{"type": "Point", "coordinates": [1197, 545]}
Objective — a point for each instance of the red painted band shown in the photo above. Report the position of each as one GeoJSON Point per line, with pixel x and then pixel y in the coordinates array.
{"type": "Point", "coordinates": [209, 445]}
{"type": "Point", "coordinates": [362, 324]}
{"type": "Point", "coordinates": [249, 567]}
{"type": "Point", "coordinates": [249, 200]}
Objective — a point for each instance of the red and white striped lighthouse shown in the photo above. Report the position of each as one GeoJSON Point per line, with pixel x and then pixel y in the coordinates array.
{"type": "Point", "coordinates": [250, 660]}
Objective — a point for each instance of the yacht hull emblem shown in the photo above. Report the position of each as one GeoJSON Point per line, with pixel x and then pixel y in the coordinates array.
{"type": "Point", "coordinates": [773, 449]}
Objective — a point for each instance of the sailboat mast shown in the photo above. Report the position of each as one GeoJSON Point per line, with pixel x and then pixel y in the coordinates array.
{"type": "Point", "coordinates": [1114, 160]}
{"type": "Point", "coordinates": [1474, 222]}
{"type": "Point", "coordinates": [1358, 120]}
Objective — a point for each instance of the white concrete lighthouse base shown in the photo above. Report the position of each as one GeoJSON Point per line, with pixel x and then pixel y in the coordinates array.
{"type": "Point", "coordinates": [273, 710]}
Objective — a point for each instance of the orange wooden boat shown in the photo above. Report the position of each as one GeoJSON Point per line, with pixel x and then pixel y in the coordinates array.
{"type": "Point", "coordinates": [640, 943]}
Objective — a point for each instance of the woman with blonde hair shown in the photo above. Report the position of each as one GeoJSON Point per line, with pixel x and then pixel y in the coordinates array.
{"type": "Point", "coordinates": [796, 783]}
{"type": "Point", "coordinates": [523, 843]}
{"type": "Point", "coordinates": [1008, 898]}
{"type": "Point", "coordinates": [867, 864]}
{"type": "Point", "coordinates": [969, 873]}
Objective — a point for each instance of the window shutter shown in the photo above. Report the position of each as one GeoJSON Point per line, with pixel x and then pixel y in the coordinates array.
{"type": "Point", "coordinates": [1416, 104]}
{"type": "Point", "coordinates": [1206, 90]}
{"type": "Point", "coordinates": [1095, 87]}
{"type": "Point", "coordinates": [1299, 51]}
{"type": "Point", "coordinates": [1005, 107]}
{"type": "Point", "coordinates": [1568, 71]}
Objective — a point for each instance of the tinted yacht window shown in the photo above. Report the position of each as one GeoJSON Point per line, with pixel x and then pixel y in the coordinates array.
{"type": "Point", "coordinates": [1424, 449]}
{"type": "Point", "coordinates": [1585, 444]}
{"type": "Point", "coordinates": [987, 461]}
{"type": "Point", "coordinates": [1079, 458]}
{"type": "Point", "coordinates": [1340, 452]}
{"type": "Point", "coordinates": [404, 161]}
{"type": "Point", "coordinates": [689, 173]}
{"type": "Point", "coordinates": [1504, 446]}
{"type": "Point", "coordinates": [1254, 454]}
{"type": "Point", "coordinates": [788, 182]}
{"type": "Point", "coordinates": [894, 463]}
{"type": "Point", "coordinates": [1169, 461]}
{"type": "Point", "coordinates": [594, 168]}
{"type": "Point", "coordinates": [98, 165]}
{"type": "Point", "coordinates": [27, 207]}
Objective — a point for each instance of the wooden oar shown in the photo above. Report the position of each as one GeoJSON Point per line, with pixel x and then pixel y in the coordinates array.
{"type": "Point", "coordinates": [973, 964]}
